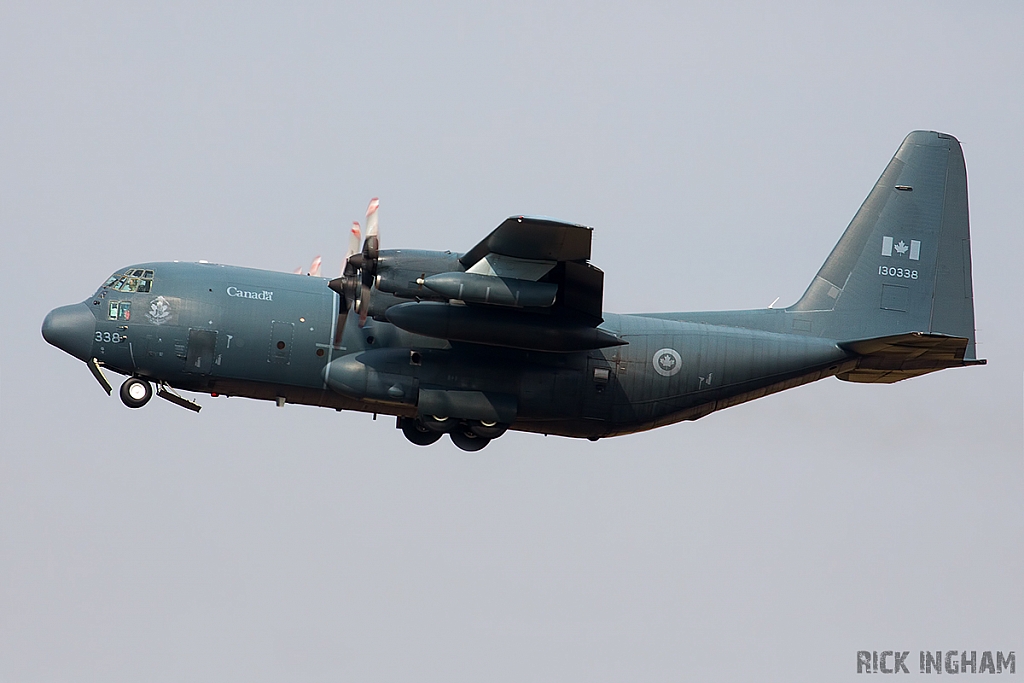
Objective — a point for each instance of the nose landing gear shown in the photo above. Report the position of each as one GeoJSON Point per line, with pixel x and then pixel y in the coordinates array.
{"type": "Point", "coordinates": [136, 392]}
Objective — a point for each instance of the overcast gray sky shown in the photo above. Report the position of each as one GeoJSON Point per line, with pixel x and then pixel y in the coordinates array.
{"type": "Point", "coordinates": [718, 152]}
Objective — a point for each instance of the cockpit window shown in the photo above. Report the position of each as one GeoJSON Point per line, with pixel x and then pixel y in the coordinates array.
{"type": "Point", "coordinates": [132, 280]}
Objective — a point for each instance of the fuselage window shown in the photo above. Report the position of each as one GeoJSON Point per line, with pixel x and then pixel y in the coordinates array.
{"type": "Point", "coordinates": [119, 310]}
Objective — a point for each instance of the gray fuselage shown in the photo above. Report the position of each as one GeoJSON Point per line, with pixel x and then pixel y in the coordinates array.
{"type": "Point", "coordinates": [236, 331]}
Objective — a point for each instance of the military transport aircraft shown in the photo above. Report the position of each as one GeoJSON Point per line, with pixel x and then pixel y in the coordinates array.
{"type": "Point", "coordinates": [511, 334]}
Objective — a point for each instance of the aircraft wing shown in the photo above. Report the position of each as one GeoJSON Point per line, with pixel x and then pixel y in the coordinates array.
{"type": "Point", "coordinates": [535, 238]}
{"type": "Point", "coordinates": [534, 248]}
{"type": "Point", "coordinates": [527, 285]}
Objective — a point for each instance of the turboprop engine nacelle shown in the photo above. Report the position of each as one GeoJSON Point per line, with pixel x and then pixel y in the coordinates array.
{"type": "Point", "coordinates": [402, 272]}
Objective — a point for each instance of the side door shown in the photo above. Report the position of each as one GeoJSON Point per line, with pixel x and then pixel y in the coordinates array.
{"type": "Point", "coordinates": [201, 347]}
{"type": "Point", "coordinates": [281, 336]}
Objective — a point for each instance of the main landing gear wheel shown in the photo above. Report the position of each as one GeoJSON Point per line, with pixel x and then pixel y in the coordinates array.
{"type": "Point", "coordinates": [437, 423]}
{"type": "Point", "coordinates": [419, 434]}
{"type": "Point", "coordinates": [136, 392]}
{"type": "Point", "coordinates": [467, 440]}
{"type": "Point", "coordinates": [487, 430]}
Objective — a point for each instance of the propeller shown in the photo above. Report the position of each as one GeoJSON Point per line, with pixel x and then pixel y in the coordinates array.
{"type": "Point", "coordinates": [356, 282]}
{"type": "Point", "coordinates": [349, 270]}
{"type": "Point", "coordinates": [314, 268]}
{"type": "Point", "coordinates": [371, 249]}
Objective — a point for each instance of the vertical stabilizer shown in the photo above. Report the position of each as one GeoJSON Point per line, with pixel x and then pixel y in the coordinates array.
{"type": "Point", "coordinates": [904, 263]}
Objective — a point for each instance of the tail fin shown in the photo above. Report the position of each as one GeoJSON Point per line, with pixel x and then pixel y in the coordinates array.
{"type": "Point", "coordinates": [904, 263]}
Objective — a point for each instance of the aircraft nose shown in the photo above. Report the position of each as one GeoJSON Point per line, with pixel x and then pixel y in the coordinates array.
{"type": "Point", "coordinates": [71, 329]}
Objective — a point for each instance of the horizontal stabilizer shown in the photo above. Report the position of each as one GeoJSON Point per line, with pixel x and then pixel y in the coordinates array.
{"type": "Point", "coordinates": [890, 359]}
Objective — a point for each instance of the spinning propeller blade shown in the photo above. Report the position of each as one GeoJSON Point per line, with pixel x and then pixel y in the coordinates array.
{"type": "Point", "coordinates": [353, 244]}
{"type": "Point", "coordinates": [355, 285]}
{"type": "Point", "coordinates": [371, 249]}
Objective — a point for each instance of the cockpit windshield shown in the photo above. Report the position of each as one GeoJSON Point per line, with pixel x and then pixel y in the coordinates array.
{"type": "Point", "coordinates": [131, 280]}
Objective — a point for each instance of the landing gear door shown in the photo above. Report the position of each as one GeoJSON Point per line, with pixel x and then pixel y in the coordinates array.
{"type": "Point", "coordinates": [201, 346]}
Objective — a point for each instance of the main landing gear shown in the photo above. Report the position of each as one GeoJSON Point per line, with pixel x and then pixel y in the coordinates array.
{"type": "Point", "coordinates": [136, 392]}
{"type": "Point", "coordinates": [417, 432]}
{"type": "Point", "coordinates": [469, 435]}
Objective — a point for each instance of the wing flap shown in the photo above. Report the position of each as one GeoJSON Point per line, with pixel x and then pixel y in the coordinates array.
{"type": "Point", "coordinates": [497, 265]}
{"type": "Point", "coordinates": [583, 290]}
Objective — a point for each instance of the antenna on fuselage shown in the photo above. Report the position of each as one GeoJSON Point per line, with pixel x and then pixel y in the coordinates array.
{"type": "Point", "coordinates": [314, 268]}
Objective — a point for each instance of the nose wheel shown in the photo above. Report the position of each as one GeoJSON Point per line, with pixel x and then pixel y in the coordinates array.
{"type": "Point", "coordinates": [136, 392]}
